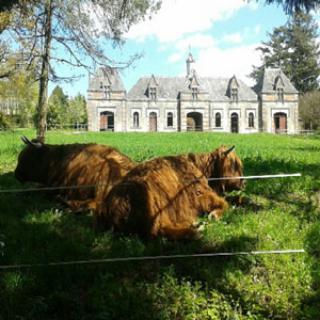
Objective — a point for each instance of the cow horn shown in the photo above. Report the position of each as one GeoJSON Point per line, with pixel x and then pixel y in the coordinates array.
{"type": "Point", "coordinates": [31, 143]}
{"type": "Point", "coordinates": [229, 150]}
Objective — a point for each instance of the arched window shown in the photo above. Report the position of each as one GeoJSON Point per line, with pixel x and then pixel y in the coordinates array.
{"type": "Point", "coordinates": [136, 120]}
{"type": "Point", "coordinates": [251, 120]}
{"type": "Point", "coordinates": [218, 120]}
{"type": "Point", "coordinates": [170, 119]}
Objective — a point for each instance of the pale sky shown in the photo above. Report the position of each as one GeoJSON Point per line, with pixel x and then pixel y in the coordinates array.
{"type": "Point", "coordinates": [222, 35]}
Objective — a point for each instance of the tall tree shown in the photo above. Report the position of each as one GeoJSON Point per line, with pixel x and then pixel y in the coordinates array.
{"type": "Point", "coordinates": [294, 48]}
{"type": "Point", "coordinates": [291, 6]}
{"type": "Point", "coordinates": [58, 107]}
{"type": "Point", "coordinates": [309, 110]}
{"type": "Point", "coordinates": [72, 32]}
{"type": "Point", "coordinates": [77, 112]}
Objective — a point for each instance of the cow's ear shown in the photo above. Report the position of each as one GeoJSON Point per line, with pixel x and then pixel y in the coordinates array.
{"type": "Point", "coordinates": [225, 153]}
{"type": "Point", "coordinates": [35, 144]}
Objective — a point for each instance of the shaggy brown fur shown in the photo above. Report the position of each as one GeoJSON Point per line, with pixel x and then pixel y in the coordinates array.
{"type": "Point", "coordinates": [219, 163]}
{"type": "Point", "coordinates": [73, 165]}
{"type": "Point", "coordinates": [163, 196]}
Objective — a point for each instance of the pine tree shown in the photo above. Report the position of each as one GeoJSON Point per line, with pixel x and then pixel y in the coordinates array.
{"type": "Point", "coordinates": [293, 48]}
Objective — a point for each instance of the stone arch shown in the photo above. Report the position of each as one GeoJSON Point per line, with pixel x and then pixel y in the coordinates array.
{"type": "Point", "coordinates": [106, 121]}
{"type": "Point", "coordinates": [194, 121]}
{"type": "Point", "coordinates": [280, 122]}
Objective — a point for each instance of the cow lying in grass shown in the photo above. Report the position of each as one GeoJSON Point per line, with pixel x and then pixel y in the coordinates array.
{"type": "Point", "coordinates": [222, 162]}
{"type": "Point", "coordinates": [98, 166]}
{"type": "Point", "coordinates": [165, 196]}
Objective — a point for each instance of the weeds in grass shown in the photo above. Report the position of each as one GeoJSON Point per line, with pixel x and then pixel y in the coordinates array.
{"type": "Point", "coordinates": [281, 214]}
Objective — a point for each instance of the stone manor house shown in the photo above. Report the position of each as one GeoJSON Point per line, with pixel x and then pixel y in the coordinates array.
{"type": "Point", "coordinates": [168, 104]}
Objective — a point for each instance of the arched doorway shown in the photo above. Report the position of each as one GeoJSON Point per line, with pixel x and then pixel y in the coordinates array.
{"type": "Point", "coordinates": [153, 125]}
{"type": "Point", "coordinates": [107, 121]}
{"type": "Point", "coordinates": [280, 122]}
{"type": "Point", "coordinates": [234, 123]}
{"type": "Point", "coordinates": [194, 121]}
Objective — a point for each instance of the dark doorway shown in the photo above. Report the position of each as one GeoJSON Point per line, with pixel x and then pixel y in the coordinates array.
{"type": "Point", "coordinates": [280, 122]}
{"type": "Point", "coordinates": [107, 121]}
{"type": "Point", "coordinates": [234, 123]}
{"type": "Point", "coordinates": [194, 121]}
{"type": "Point", "coordinates": [153, 125]}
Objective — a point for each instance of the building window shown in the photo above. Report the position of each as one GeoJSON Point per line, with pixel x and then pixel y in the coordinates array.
{"type": "Point", "coordinates": [101, 85]}
{"type": "Point", "coordinates": [107, 92]}
{"type": "Point", "coordinates": [280, 95]}
{"type": "Point", "coordinates": [194, 93]}
{"type": "Point", "coordinates": [170, 119]}
{"type": "Point", "coordinates": [251, 120]}
{"type": "Point", "coordinates": [234, 94]}
{"type": "Point", "coordinates": [218, 120]}
{"type": "Point", "coordinates": [136, 120]}
{"type": "Point", "coordinates": [153, 93]}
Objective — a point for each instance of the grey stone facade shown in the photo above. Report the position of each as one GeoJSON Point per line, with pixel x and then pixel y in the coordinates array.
{"type": "Point", "coordinates": [169, 104]}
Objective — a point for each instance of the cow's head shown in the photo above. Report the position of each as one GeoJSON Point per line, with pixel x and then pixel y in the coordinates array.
{"type": "Point", "coordinates": [31, 161]}
{"type": "Point", "coordinates": [225, 163]}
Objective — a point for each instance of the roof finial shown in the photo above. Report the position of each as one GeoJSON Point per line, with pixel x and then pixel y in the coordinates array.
{"type": "Point", "coordinates": [188, 62]}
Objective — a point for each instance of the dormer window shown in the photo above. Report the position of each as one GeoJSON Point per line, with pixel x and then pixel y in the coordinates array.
{"type": "Point", "coordinates": [233, 89]}
{"type": "Point", "coordinates": [234, 94]}
{"type": "Point", "coordinates": [279, 88]}
{"type": "Point", "coordinates": [153, 93]}
{"type": "Point", "coordinates": [107, 92]}
{"type": "Point", "coordinates": [280, 95]}
{"type": "Point", "coordinates": [194, 93]}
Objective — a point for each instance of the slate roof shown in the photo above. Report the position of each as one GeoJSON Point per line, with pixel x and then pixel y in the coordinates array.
{"type": "Point", "coordinates": [108, 76]}
{"type": "Point", "coordinates": [169, 88]}
{"type": "Point", "coordinates": [267, 82]}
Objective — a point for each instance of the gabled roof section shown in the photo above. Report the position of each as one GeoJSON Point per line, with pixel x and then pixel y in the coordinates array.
{"type": "Point", "coordinates": [270, 77]}
{"type": "Point", "coordinates": [278, 82]}
{"type": "Point", "coordinates": [153, 82]}
{"type": "Point", "coordinates": [170, 87]}
{"type": "Point", "coordinates": [108, 76]}
{"type": "Point", "coordinates": [194, 81]}
{"type": "Point", "coordinates": [233, 83]}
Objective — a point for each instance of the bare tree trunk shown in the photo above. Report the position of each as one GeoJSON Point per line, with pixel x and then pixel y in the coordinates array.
{"type": "Point", "coordinates": [42, 107]}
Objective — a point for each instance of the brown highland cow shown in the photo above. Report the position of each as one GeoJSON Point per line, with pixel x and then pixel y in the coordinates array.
{"type": "Point", "coordinates": [98, 166]}
{"type": "Point", "coordinates": [165, 196]}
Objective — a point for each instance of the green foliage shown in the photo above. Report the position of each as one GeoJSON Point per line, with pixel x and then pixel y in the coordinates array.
{"type": "Point", "coordinates": [4, 122]}
{"type": "Point", "coordinates": [281, 214]}
{"type": "Point", "coordinates": [309, 110]}
{"type": "Point", "coordinates": [58, 106]}
{"type": "Point", "coordinates": [18, 98]}
{"type": "Point", "coordinates": [294, 48]}
{"type": "Point", "coordinates": [65, 32]}
{"type": "Point", "coordinates": [65, 112]}
{"type": "Point", "coordinates": [77, 112]}
{"type": "Point", "coordinates": [291, 6]}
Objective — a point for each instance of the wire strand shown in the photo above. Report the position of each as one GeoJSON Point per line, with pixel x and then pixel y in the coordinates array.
{"type": "Point", "coordinates": [19, 190]}
{"type": "Point", "coordinates": [149, 258]}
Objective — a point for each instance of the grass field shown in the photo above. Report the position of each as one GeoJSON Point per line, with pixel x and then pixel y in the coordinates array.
{"type": "Point", "coordinates": [285, 214]}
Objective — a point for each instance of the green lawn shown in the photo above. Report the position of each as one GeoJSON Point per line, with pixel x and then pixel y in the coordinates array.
{"type": "Point", "coordinates": [285, 214]}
